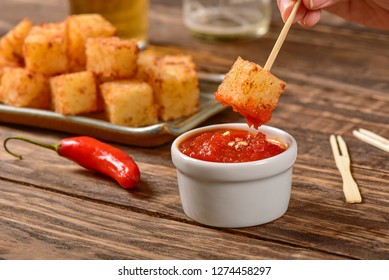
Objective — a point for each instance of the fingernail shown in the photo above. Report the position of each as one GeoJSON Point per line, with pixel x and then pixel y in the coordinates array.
{"type": "Point", "coordinates": [316, 4]}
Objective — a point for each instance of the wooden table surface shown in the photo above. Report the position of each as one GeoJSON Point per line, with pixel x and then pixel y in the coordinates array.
{"type": "Point", "coordinates": [337, 78]}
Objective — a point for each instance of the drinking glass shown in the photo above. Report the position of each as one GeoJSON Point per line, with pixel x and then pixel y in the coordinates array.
{"type": "Point", "coordinates": [227, 19]}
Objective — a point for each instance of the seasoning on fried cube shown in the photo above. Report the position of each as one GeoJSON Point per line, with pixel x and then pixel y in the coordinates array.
{"type": "Point", "coordinates": [74, 93]}
{"type": "Point", "coordinates": [12, 42]}
{"type": "Point", "coordinates": [112, 58]}
{"type": "Point", "coordinates": [45, 49]}
{"type": "Point", "coordinates": [129, 103]}
{"type": "Point", "coordinates": [251, 91]}
{"type": "Point", "coordinates": [175, 85]}
{"type": "Point", "coordinates": [23, 88]}
{"type": "Point", "coordinates": [78, 29]}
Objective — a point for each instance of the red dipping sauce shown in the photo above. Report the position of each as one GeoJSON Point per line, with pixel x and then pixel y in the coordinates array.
{"type": "Point", "coordinates": [230, 146]}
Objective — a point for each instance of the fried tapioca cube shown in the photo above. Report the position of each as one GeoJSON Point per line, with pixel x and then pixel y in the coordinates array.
{"type": "Point", "coordinates": [74, 93]}
{"type": "Point", "coordinates": [21, 87]}
{"type": "Point", "coordinates": [175, 84]}
{"type": "Point", "coordinates": [11, 43]}
{"type": "Point", "coordinates": [112, 58]}
{"type": "Point", "coordinates": [129, 103]}
{"type": "Point", "coordinates": [78, 29]}
{"type": "Point", "coordinates": [251, 91]}
{"type": "Point", "coordinates": [45, 49]}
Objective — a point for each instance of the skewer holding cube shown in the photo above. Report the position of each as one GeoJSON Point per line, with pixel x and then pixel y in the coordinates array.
{"type": "Point", "coordinates": [252, 90]}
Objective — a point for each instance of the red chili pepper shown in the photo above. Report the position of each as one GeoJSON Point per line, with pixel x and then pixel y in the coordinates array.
{"type": "Point", "coordinates": [94, 155]}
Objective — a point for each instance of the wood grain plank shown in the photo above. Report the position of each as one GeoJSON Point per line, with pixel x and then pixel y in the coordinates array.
{"type": "Point", "coordinates": [316, 187]}
{"type": "Point", "coordinates": [41, 225]}
{"type": "Point", "coordinates": [337, 81]}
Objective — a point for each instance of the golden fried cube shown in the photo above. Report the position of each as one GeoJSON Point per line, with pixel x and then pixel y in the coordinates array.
{"type": "Point", "coordinates": [4, 63]}
{"type": "Point", "coordinates": [74, 93]}
{"type": "Point", "coordinates": [78, 29]}
{"type": "Point", "coordinates": [112, 58]}
{"type": "Point", "coordinates": [23, 88]}
{"type": "Point", "coordinates": [175, 85]}
{"type": "Point", "coordinates": [12, 42]}
{"type": "Point", "coordinates": [145, 62]}
{"type": "Point", "coordinates": [251, 91]}
{"type": "Point", "coordinates": [7, 63]}
{"type": "Point", "coordinates": [45, 49]}
{"type": "Point", "coordinates": [129, 103]}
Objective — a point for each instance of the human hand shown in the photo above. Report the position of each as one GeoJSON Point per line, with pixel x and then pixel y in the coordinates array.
{"type": "Point", "coordinates": [373, 13]}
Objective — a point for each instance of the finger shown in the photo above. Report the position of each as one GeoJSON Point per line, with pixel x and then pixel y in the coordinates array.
{"type": "Point", "coordinates": [311, 18]}
{"type": "Point", "coordinates": [319, 4]}
{"type": "Point", "coordinates": [286, 7]}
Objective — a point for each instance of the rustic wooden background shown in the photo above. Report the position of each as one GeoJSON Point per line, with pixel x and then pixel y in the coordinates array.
{"type": "Point", "coordinates": [337, 78]}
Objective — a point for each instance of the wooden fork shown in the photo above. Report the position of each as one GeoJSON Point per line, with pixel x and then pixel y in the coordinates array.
{"type": "Point", "coordinates": [342, 160]}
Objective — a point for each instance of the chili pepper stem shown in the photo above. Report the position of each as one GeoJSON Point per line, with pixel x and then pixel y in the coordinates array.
{"type": "Point", "coordinates": [53, 147]}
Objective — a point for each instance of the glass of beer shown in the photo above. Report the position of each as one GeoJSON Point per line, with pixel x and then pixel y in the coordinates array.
{"type": "Point", "coordinates": [130, 17]}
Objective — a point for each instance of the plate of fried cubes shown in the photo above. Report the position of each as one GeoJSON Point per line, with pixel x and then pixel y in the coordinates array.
{"type": "Point", "coordinates": [76, 76]}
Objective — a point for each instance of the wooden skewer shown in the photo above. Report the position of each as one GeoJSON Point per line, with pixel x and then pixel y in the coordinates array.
{"type": "Point", "coordinates": [281, 37]}
{"type": "Point", "coordinates": [372, 139]}
{"type": "Point", "coordinates": [342, 160]}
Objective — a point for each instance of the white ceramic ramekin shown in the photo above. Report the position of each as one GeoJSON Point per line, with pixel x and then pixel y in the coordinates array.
{"type": "Point", "coordinates": [235, 194]}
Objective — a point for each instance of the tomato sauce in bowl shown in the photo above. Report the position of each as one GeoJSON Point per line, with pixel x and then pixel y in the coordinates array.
{"type": "Point", "coordinates": [222, 183]}
{"type": "Point", "coordinates": [230, 146]}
